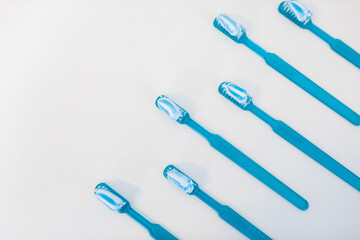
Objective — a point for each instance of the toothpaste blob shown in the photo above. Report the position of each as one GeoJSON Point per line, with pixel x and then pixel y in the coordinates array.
{"type": "Point", "coordinates": [174, 111]}
{"type": "Point", "coordinates": [229, 27]}
{"type": "Point", "coordinates": [296, 11]}
{"type": "Point", "coordinates": [180, 179]}
{"type": "Point", "coordinates": [235, 94]}
{"type": "Point", "coordinates": [105, 194]}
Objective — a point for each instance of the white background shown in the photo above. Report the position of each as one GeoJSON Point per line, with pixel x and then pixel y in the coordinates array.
{"type": "Point", "coordinates": [78, 82]}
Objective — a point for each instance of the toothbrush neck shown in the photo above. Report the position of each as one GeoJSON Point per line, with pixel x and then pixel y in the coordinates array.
{"type": "Point", "coordinates": [139, 218]}
{"type": "Point", "coordinates": [207, 199]}
{"type": "Point", "coordinates": [254, 47]}
{"type": "Point", "coordinates": [198, 128]}
{"type": "Point", "coordinates": [261, 114]}
{"type": "Point", "coordinates": [319, 32]}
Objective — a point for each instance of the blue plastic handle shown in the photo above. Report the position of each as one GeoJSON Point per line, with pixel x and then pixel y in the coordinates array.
{"type": "Point", "coordinates": [232, 217]}
{"type": "Point", "coordinates": [307, 147]}
{"type": "Point", "coordinates": [303, 82]}
{"type": "Point", "coordinates": [312, 88]}
{"type": "Point", "coordinates": [231, 152]}
{"type": "Point", "coordinates": [345, 51]}
{"type": "Point", "coordinates": [337, 45]}
{"type": "Point", "coordinates": [155, 230]}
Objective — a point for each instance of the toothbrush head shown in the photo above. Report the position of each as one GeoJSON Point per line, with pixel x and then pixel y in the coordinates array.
{"type": "Point", "coordinates": [174, 111]}
{"type": "Point", "coordinates": [229, 27]}
{"type": "Point", "coordinates": [180, 179]}
{"type": "Point", "coordinates": [112, 199]}
{"type": "Point", "coordinates": [235, 94]}
{"type": "Point", "coordinates": [296, 12]}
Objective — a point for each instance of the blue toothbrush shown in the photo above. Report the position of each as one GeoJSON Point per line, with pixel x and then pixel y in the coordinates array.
{"type": "Point", "coordinates": [115, 202]}
{"type": "Point", "coordinates": [241, 98]}
{"type": "Point", "coordinates": [296, 12]}
{"type": "Point", "coordinates": [175, 112]}
{"type": "Point", "coordinates": [225, 212]}
{"type": "Point", "coordinates": [237, 33]}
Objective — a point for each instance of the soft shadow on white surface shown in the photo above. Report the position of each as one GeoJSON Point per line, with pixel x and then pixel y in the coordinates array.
{"type": "Point", "coordinates": [129, 191]}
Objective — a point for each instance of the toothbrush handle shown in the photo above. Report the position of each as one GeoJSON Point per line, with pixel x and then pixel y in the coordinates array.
{"type": "Point", "coordinates": [155, 230]}
{"type": "Point", "coordinates": [304, 145]}
{"type": "Point", "coordinates": [231, 217]}
{"type": "Point", "coordinates": [241, 224]}
{"type": "Point", "coordinates": [309, 86]}
{"type": "Point", "coordinates": [337, 45]}
{"type": "Point", "coordinates": [315, 153]}
{"type": "Point", "coordinates": [159, 233]}
{"type": "Point", "coordinates": [345, 51]}
{"type": "Point", "coordinates": [257, 171]}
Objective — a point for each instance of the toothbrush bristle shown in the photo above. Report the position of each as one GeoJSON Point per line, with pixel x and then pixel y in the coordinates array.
{"type": "Point", "coordinates": [108, 196]}
{"type": "Point", "coordinates": [295, 12]}
{"type": "Point", "coordinates": [229, 27]}
{"type": "Point", "coordinates": [235, 94]}
{"type": "Point", "coordinates": [174, 111]}
{"type": "Point", "coordinates": [180, 179]}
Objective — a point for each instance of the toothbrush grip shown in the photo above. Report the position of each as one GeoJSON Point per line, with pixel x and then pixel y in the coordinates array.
{"type": "Point", "coordinates": [159, 233]}
{"type": "Point", "coordinates": [155, 230]}
{"type": "Point", "coordinates": [345, 51]}
{"type": "Point", "coordinates": [310, 87]}
{"type": "Point", "coordinates": [257, 171]}
{"type": "Point", "coordinates": [241, 224]}
{"type": "Point", "coordinates": [316, 153]}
